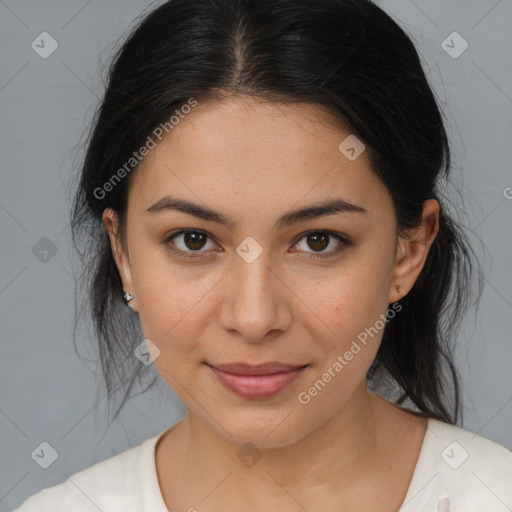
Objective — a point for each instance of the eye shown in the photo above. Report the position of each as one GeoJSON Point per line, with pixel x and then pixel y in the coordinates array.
{"type": "Point", "coordinates": [189, 241]}
{"type": "Point", "coordinates": [320, 240]}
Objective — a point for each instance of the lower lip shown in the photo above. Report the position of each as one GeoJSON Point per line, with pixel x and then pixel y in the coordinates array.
{"type": "Point", "coordinates": [257, 386]}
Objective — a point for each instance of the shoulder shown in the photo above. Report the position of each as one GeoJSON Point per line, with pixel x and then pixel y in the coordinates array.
{"type": "Point", "coordinates": [466, 452]}
{"type": "Point", "coordinates": [469, 471]}
{"type": "Point", "coordinates": [110, 485]}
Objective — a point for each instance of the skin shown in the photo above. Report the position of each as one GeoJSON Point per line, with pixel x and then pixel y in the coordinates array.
{"type": "Point", "coordinates": [253, 161]}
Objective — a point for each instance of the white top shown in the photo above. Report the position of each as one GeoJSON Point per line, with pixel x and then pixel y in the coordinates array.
{"type": "Point", "coordinates": [457, 471]}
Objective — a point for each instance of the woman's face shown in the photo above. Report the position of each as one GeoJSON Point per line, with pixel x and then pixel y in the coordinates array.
{"type": "Point", "coordinates": [253, 289]}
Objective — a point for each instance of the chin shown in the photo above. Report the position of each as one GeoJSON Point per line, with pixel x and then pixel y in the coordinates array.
{"type": "Point", "coordinates": [275, 429]}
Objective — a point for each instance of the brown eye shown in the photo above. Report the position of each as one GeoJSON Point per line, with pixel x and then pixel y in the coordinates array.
{"type": "Point", "coordinates": [318, 241]}
{"type": "Point", "coordinates": [188, 242]}
{"type": "Point", "coordinates": [194, 240]}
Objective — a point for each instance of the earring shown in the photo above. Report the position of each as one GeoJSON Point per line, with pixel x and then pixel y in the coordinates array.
{"type": "Point", "coordinates": [127, 298]}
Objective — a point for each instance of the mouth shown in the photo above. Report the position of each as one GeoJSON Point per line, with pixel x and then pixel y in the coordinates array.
{"type": "Point", "coordinates": [256, 382]}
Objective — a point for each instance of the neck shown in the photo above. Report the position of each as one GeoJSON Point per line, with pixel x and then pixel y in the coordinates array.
{"type": "Point", "coordinates": [331, 460]}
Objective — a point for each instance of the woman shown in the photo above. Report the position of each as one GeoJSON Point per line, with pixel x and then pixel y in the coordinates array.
{"type": "Point", "coordinates": [261, 186]}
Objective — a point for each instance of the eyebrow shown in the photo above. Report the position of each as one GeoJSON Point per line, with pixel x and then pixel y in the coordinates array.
{"type": "Point", "coordinates": [313, 211]}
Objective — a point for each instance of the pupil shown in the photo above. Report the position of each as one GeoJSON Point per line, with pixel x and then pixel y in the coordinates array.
{"type": "Point", "coordinates": [315, 237]}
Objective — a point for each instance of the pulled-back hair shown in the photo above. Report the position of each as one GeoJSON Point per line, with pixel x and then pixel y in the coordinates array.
{"type": "Point", "coordinates": [346, 56]}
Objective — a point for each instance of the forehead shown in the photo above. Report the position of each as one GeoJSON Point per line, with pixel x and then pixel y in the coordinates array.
{"type": "Point", "coordinates": [257, 156]}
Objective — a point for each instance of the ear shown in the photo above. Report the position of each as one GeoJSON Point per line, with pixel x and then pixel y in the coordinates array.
{"type": "Point", "coordinates": [111, 222]}
{"type": "Point", "coordinates": [412, 251]}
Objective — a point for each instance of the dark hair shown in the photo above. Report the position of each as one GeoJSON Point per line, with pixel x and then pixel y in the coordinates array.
{"type": "Point", "coordinates": [346, 56]}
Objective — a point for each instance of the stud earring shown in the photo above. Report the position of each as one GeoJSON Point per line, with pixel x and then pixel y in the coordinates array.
{"type": "Point", "coordinates": [127, 298]}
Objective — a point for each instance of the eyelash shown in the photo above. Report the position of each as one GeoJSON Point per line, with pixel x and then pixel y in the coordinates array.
{"type": "Point", "coordinates": [198, 254]}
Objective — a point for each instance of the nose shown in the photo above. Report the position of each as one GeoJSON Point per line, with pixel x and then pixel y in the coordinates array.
{"type": "Point", "coordinates": [255, 305]}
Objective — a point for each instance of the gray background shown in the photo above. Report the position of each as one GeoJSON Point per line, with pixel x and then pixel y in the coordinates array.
{"type": "Point", "coordinates": [47, 393]}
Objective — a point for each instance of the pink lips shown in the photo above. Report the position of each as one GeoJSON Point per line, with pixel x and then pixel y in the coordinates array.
{"type": "Point", "coordinates": [261, 381]}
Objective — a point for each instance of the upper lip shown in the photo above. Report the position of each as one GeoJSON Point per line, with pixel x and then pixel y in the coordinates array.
{"type": "Point", "coordinates": [260, 369]}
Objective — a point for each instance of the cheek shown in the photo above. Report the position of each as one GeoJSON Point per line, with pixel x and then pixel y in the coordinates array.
{"type": "Point", "coordinates": [351, 303]}
{"type": "Point", "coordinates": [349, 299]}
{"type": "Point", "coordinates": [170, 306]}
{"type": "Point", "coordinates": [167, 291]}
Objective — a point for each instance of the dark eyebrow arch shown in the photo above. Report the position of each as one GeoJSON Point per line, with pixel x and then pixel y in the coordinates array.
{"type": "Point", "coordinates": [319, 209]}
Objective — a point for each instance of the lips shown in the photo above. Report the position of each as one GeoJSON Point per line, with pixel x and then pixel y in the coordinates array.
{"type": "Point", "coordinates": [260, 369]}
{"type": "Point", "coordinates": [256, 382]}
